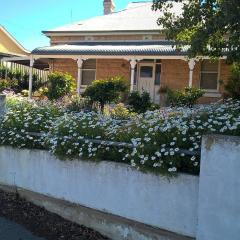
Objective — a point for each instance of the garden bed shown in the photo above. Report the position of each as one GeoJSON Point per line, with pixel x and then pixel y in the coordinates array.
{"type": "Point", "coordinates": [41, 222]}
{"type": "Point", "coordinates": [162, 141]}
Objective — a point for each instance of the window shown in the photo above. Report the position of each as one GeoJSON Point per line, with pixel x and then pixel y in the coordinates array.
{"type": "Point", "coordinates": [157, 74]}
{"type": "Point", "coordinates": [209, 75]}
{"type": "Point", "coordinates": [135, 75]}
{"type": "Point", "coordinates": [89, 38]}
{"type": "Point", "coordinates": [146, 72]}
{"type": "Point", "coordinates": [88, 71]}
{"type": "Point", "coordinates": [147, 37]}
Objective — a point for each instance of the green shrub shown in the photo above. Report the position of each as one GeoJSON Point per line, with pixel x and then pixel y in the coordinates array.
{"type": "Point", "coordinates": [119, 111]}
{"type": "Point", "coordinates": [59, 85]}
{"type": "Point", "coordinates": [187, 97]}
{"type": "Point", "coordinates": [138, 102]}
{"type": "Point", "coordinates": [24, 117]}
{"type": "Point", "coordinates": [2, 72]}
{"type": "Point", "coordinates": [4, 84]}
{"type": "Point", "coordinates": [18, 80]}
{"type": "Point", "coordinates": [76, 103]}
{"type": "Point", "coordinates": [106, 90]}
{"type": "Point", "coordinates": [233, 85]}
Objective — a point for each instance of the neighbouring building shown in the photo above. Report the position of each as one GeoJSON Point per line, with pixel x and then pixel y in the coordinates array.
{"type": "Point", "coordinates": [9, 46]}
{"type": "Point", "coordinates": [129, 43]}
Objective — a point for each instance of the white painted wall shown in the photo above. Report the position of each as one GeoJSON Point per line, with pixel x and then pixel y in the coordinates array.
{"type": "Point", "coordinates": [219, 190]}
{"type": "Point", "coordinates": [169, 204]}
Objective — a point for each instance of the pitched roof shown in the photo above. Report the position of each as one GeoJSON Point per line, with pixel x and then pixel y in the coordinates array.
{"type": "Point", "coordinates": [9, 45]}
{"type": "Point", "coordinates": [148, 48]}
{"type": "Point", "coordinates": [138, 16]}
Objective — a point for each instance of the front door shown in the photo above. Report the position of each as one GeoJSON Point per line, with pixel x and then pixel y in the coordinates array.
{"type": "Point", "coordinates": [146, 78]}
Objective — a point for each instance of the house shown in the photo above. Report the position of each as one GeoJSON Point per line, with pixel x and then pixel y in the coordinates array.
{"type": "Point", "coordinates": [131, 44]}
{"type": "Point", "coordinates": [9, 46]}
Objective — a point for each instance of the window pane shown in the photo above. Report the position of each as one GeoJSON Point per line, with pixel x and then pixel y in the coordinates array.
{"type": "Point", "coordinates": [88, 77]}
{"type": "Point", "coordinates": [89, 64]}
{"type": "Point", "coordinates": [209, 81]}
{"type": "Point", "coordinates": [158, 74]}
{"type": "Point", "coordinates": [209, 66]}
{"type": "Point", "coordinates": [146, 72]}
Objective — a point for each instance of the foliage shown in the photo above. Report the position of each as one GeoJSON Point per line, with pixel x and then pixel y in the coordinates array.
{"type": "Point", "coordinates": [59, 85]}
{"type": "Point", "coordinates": [139, 102]}
{"type": "Point", "coordinates": [187, 97]}
{"type": "Point", "coordinates": [41, 92]}
{"type": "Point", "coordinates": [119, 111]}
{"type": "Point", "coordinates": [24, 117]}
{"type": "Point", "coordinates": [163, 89]}
{"type": "Point", "coordinates": [18, 81]}
{"type": "Point", "coordinates": [157, 137]}
{"type": "Point", "coordinates": [75, 103]}
{"type": "Point", "coordinates": [2, 72]}
{"type": "Point", "coordinates": [3, 85]}
{"type": "Point", "coordinates": [233, 85]}
{"type": "Point", "coordinates": [106, 90]}
{"type": "Point", "coordinates": [209, 27]}
{"type": "Point", "coordinates": [14, 102]}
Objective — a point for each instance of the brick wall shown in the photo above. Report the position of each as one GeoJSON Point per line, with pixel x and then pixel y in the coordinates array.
{"type": "Point", "coordinates": [65, 39]}
{"type": "Point", "coordinates": [105, 67]}
{"type": "Point", "coordinates": [175, 73]}
{"type": "Point", "coordinates": [64, 65]}
{"type": "Point", "coordinates": [112, 67]}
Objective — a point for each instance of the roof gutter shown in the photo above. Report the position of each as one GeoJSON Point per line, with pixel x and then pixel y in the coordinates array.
{"type": "Point", "coordinates": [100, 33]}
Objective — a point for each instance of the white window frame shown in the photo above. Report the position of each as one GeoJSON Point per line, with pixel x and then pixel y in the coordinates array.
{"type": "Point", "coordinates": [218, 79]}
{"type": "Point", "coordinates": [156, 63]}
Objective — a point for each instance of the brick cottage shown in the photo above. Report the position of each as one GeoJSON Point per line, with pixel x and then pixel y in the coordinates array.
{"type": "Point", "coordinates": [129, 43]}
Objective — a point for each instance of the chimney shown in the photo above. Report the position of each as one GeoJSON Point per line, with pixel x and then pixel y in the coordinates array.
{"type": "Point", "coordinates": [109, 6]}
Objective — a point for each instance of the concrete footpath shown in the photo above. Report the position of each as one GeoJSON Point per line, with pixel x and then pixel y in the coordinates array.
{"type": "Point", "coordinates": [12, 231]}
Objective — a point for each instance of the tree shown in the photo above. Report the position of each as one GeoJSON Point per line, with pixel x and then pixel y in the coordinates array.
{"type": "Point", "coordinates": [106, 90]}
{"type": "Point", "coordinates": [233, 85]}
{"type": "Point", "coordinates": [210, 27]}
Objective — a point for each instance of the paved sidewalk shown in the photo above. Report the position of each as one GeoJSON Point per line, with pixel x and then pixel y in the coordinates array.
{"type": "Point", "coordinates": [11, 231]}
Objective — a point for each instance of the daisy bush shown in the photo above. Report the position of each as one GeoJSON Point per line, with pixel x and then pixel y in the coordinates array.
{"type": "Point", "coordinates": [26, 123]}
{"type": "Point", "coordinates": [154, 140]}
{"type": "Point", "coordinates": [162, 141]}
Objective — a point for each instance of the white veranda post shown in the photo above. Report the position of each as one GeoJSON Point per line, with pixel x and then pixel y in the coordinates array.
{"type": "Point", "coordinates": [191, 64]}
{"type": "Point", "coordinates": [30, 78]}
{"type": "Point", "coordinates": [133, 64]}
{"type": "Point", "coordinates": [79, 77]}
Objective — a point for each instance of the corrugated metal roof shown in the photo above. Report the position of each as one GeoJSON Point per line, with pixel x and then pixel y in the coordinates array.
{"type": "Point", "coordinates": [122, 49]}
{"type": "Point", "coordinates": [138, 16]}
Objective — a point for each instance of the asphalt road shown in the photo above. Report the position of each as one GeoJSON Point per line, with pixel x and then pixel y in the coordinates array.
{"type": "Point", "coordinates": [11, 231]}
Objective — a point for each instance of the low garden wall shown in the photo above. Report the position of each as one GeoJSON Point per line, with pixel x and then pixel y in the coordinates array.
{"type": "Point", "coordinates": [115, 188]}
{"type": "Point", "coordinates": [188, 207]}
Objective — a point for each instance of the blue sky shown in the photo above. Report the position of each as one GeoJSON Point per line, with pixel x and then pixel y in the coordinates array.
{"type": "Point", "coordinates": [25, 19]}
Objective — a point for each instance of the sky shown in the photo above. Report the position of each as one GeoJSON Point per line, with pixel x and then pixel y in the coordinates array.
{"type": "Point", "coordinates": [26, 19]}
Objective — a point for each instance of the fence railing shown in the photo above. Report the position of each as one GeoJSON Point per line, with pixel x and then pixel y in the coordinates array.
{"type": "Point", "coordinates": [119, 144]}
{"type": "Point", "coordinates": [15, 67]}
